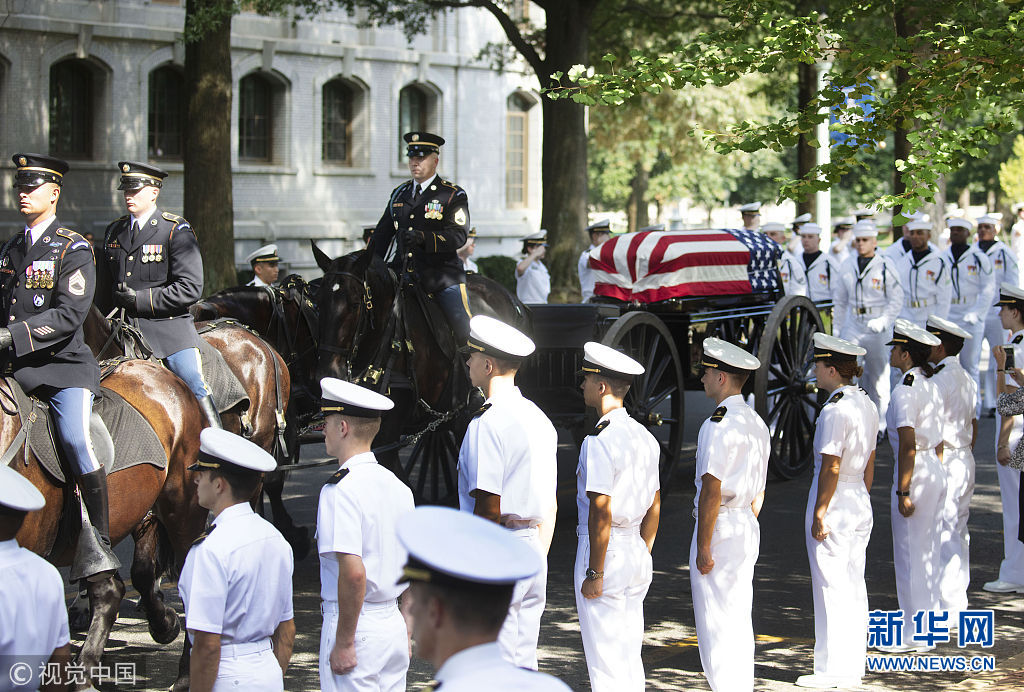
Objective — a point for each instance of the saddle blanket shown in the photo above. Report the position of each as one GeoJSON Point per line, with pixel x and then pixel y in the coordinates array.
{"type": "Point", "coordinates": [135, 441]}
{"type": "Point", "coordinates": [227, 390]}
{"type": "Point", "coordinates": [658, 265]}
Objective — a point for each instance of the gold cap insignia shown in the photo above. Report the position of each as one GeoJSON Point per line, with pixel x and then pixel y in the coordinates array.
{"type": "Point", "coordinates": [415, 138]}
{"type": "Point", "coordinates": [22, 161]}
{"type": "Point", "coordinates": [125, 168]}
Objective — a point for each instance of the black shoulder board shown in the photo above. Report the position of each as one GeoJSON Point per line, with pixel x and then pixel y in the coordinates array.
{"type": "Point", "coordinates": [834, 398]}
{"type": "Point", "coordinates": [1017, 339]}
{"type": "Point", "coordinates": [481, 411]}
{"type": "Point", "coordinates": [599, 427]}
{"type": "Point", "coordinates": [718, 415]}
{"type": "Point", "coordinates": [337, 476]}
{"type": "Point", "coordinates": [204, 534]}
{"type": "Point", "coordinates": [431, 686]}
{"type": "Point", "coordinates": [908, 380]}
{"type": "Point", "coordinates": [938, 368]}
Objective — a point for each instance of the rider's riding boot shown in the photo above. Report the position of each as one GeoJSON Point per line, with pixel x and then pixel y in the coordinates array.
{"type": "Point", "coordinates": [210, 411]}
{"type": "Point", "coordinates": [94, 558]}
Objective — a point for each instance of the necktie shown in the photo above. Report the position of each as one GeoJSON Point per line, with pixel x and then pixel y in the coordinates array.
{"type": "Point", "coordinates": [416, 194]}
{"type": "Point", "coordinates": [28, 237]}
{"type": "Point", "coordinates": [135, 230]}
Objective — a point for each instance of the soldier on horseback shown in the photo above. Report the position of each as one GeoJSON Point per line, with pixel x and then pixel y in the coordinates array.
{"type": "Point", "coordinates": [422, 229]}
{"type": "Point", "coordinates": [47, 281]}
{"type": "Point", "coordinates": [157, 268]}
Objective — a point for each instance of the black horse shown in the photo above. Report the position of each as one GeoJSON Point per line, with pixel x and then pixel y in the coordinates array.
{"type": "Point", "coordinates": [394, 339]}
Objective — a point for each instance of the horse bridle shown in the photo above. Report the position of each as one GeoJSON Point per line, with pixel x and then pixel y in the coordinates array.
{"type": "Point", "coordinates": [364, 319]}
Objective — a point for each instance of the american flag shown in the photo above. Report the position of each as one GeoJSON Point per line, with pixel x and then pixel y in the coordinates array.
{"type": "Point", "coordinates": [658, 265]}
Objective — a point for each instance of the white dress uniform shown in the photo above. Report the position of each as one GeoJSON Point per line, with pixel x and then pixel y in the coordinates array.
{"type": "Point", "coordinates": [1005, 271]}
{"type": "Point", "coordinates": [819, 274]}
{"type": "Point", "coordinates": [794, 280]}
{"type": "Point", "coordinates": [974, 290]}
{"type": "Point", "coordinates": [867, 301]}
{"type": "Point", "coordinates": [458, 550]}
{"type": "Point", "coordinates": [535, 283]}
{"type": "Point", "coordinates": [586, 274]}
{"type": "Point", "coordinates": [958, 394]}
{"type": "Point", "coordinates": [927, 288]}
{"type": "Point", "coordinates": [33, 616]}
{"type": "Point", "coordinates": [915, 404]}
{"type": "Point", "coordinates": [1011, 569]}
{"type": "Point", "coordinates": [733, 446]}
{"type": "Point", "coordinates": [509, 450]}
{"type": "Point", "coordinates": [846, 429]}
{"type": "Point", "coordinates": [618, 459]}
{"type": "Point", "coordinates": [357, 514]}
{"type": "Point", "coordinates": [470, 266]}
{"type": "Point", "coordinates": [1017, 238]}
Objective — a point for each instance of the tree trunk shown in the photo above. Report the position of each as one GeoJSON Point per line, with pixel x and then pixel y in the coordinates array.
{"type": "Point", "coordinates": [806, 155]}
{"type": "Point", "coordinates": [564, 152]}
{"type": "Point", "coordinates": [636, 205]}
{"type": "Point", "coordinates": [207, 153]}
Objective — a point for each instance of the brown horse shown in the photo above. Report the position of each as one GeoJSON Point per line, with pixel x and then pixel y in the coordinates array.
{"type": "Point", "coordinates": [158, 507]}
{"type": "Point", "coordinates": [388, 337]}
{"type": "Point", "coordinates": [266, 381]}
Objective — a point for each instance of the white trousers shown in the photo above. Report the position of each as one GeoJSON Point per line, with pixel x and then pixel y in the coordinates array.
{"type": "Point", "coordinates": [970, 355]}
{"type": "Point", "coordinates": [722, 601]}
{"type": "Point", "coordinates": [1011, 569]}
{"type": "Point", "coordinates": [875, 379]}
{"type": "Point", "coordinates": [995, 335]}
{"type": "Point", "coordinates": [837, 579]}
{"type": "Point", "coordinates": [915, 540]}
{"type": "Point", "coordinates": [612, 625]}
{"type": "Point", "coordinates": [382, 651]}
{"type": "Point", "coordinates": [954, 538]}
{"type": "Point", "coordinates": [256, 671]}
{"type": "Point", "coordinates": [521, 629]}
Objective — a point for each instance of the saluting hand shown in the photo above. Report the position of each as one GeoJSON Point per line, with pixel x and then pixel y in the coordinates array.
{"type": "Point", "coordinates": [343, 659]}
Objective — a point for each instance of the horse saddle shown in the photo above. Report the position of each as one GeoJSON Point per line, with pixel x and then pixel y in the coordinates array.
{"type": "Point", "coordinates": [121, 436]}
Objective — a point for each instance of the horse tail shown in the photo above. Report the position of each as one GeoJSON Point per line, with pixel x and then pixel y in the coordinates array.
{"type": "Point", "coordinates": [163, 557]}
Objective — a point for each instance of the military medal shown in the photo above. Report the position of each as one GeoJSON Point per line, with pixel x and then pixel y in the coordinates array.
{"type": "Point", "coordinates": [158, 249]}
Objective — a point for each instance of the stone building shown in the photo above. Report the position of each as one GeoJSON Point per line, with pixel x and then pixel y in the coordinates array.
{"type": "Point", "coordinates": [317, 113]}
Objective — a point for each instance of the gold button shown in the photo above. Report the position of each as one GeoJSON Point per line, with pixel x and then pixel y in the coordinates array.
{"type": "Point", "coordinates": [14, 300]}
{"type": "Point", "coordinates": [128, 274]}
{"type": "Point", "coordinates": [130, 258]}
{"type": "Point", "coordinates": [412, 216]}
{"type": "Point", "coordinates": [410, 254]}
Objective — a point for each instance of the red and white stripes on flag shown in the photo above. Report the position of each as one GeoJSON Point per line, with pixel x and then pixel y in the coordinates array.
{"type": "Point", "coordinates": [658, 265]}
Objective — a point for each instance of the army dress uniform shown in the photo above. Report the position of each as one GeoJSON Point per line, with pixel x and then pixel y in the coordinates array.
{"type": "Point", "coordinates": [845, 429]}
{"type": "Point", "coordinates": [32, 608]}
{"type": "Point", "coordinates": [958, 393]}
{"type": "Point", "coordinates": [422, 229]}
{"type": "Point", "coordinates": [509, 450]}
{"type": "Point", "coordinates": [1004, 270]}
{"type": "Point", "coordinates": [357, 514]}
{"type": "Point", "coordinates": [619, 459]}
{"type": "Point", "coordinates": [157, 257]}
{"type": "Point", "coordinates": [868, 298]}
{"type": "Point", "coordinates": [916, 404]}
{"type": "Point", "coordinates": [733, 446]}
{"type": "Point", "coordinates": [974, 290]}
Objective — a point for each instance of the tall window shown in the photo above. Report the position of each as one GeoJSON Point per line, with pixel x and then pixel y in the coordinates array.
{"type": "Point", "coordinates": [412, 114]}
{"type": "Point", "coordinates": [167, 108]}
{"type": "Point", "coordinates": [516, 142]}
{"type": "Point", "coordinates": [255, 118]}
{"type": "Point", "coordinates": [71, 109]}
{"type": "Point", "coordinates": [337, 123]}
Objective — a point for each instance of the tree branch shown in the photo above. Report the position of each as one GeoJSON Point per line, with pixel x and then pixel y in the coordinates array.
{"type": "Point", "coordinates": [515, 37]}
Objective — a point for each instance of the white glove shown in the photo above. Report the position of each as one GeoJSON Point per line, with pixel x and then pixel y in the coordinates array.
{"type": "Point", "coordinates": [971, 318]}
{"type": "Point", "coordinates": [877, 325]}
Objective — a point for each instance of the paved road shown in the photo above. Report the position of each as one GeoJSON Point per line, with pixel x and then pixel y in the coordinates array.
{"type": "Point", "coordinates": [783, 616]}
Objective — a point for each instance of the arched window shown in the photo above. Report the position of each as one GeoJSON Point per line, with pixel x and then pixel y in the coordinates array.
{"type": "Point", "coordinates": [516, 148]}
{"type": "Point", "coordinates": [72, 102]}
{"type": "Point", "coordinates": [337, 123]}
{"type": "Point", "coordinates": [168, 106]}
{"type": "Point", "coordinates": [255, 118]}
{"type": "Point", "coordinates": [412, 114]}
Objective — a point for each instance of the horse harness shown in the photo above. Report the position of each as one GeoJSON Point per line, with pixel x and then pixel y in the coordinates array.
{"type": "Point", "coordinates": [279, 322]}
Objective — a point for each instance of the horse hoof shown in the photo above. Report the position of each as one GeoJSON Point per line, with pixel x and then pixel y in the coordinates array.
{"type": "Point", "coordinates": [168, 631]}
{"type": "Point", "coordinates": [79, 617]}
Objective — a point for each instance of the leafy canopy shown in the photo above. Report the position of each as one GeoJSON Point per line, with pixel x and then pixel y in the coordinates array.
{"type": "Point", "coordinates": [960, 65]}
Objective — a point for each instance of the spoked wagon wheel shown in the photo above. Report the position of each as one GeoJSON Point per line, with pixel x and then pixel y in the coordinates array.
{"type": "Point", "coordinates": [431, 469]}
{"type": "Point", "coordinates": [785, 388]}
{"type": "Point", "coordinates": [656, 398]}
